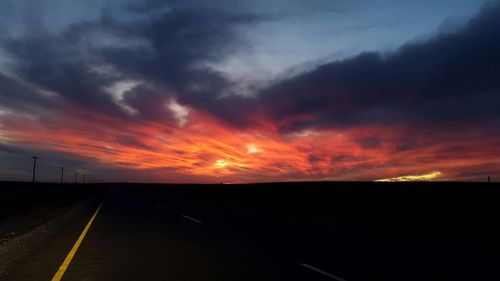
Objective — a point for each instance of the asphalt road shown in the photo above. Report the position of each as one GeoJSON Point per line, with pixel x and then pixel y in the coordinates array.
{"type": "Point", "coordinates": [134, 238]}
{"type": "Point", "coordinates": [145, 234]}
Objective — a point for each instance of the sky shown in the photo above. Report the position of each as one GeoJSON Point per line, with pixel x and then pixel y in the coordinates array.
{"type": "Point", "coordinates": [250, 91]}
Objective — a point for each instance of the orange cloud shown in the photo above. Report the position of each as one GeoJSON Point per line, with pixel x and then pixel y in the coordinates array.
{"type": "Point", "coordinates": [206, 148]}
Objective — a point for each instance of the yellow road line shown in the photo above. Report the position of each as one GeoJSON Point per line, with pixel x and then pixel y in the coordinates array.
{"type": "Point", "coordinates": [60, 272]}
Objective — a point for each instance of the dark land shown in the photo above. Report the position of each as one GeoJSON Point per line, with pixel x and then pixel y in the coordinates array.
{"type": "Point", "coordinates": [280, 231]}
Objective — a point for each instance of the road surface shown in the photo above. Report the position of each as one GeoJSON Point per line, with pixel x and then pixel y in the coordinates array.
{"type": "Point", "coordinates": [128, 234]}
{"type": "Point", "coordinates": [132, 238]}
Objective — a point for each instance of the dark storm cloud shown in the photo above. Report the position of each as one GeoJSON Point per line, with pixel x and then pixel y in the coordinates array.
{"type": "Point", "coordinates": [147, 101]}
{"type": "Point", "coordinates": [179, 41]}
{"type": "Point", "coordinates": [17, 96]}
{"type": "Point", "coordinates": [164, 51]}
{"type": "Point", "coordinates": [275, 7]}
{"type": "Point", "coordinates": [451, 77]}
{"type": "Point", "coordinates": [58, 64]}
{"type": "Point", "coordinates": [179, 38]}
{"type": "Point", "coordinates": [448, 78]}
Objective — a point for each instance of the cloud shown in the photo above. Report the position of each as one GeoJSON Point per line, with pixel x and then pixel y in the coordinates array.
{"type": "Point", "coordinates": [17, 96]}
{"type": "Point", "coordinates": [276, 7]}
{"type": "Point", "coordinates": [85, 62]}
{"type": "Point", "coordinates": [180, 112]}
{"type": "Point", "coordinates": [57, 65]}
{"type": "Point", "coordinates": [448, 78]}
{"type": "Point", "coordinates": [135, 93]}
{"type": "Point", "coordinates": [253, 149]}
{"type": "Point", "coordinates": [440, 80]}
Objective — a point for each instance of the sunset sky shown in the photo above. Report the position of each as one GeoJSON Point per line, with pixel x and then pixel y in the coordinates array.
{"type": "Point", "coordinates": [250, 91]}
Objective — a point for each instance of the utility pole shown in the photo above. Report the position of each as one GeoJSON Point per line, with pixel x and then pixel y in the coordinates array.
{"type": "Point", "coordinates": [76, 174]}
{"type": "Point", "coordinates": [62, 174]}
{"type": "Point", "coordinates": [34, 166]}
{"type": "Point", "coordinates": [83, 178]}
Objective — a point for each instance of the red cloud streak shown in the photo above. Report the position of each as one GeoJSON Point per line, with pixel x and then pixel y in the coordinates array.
{"type": "Point", "coordinates": [207, 150]}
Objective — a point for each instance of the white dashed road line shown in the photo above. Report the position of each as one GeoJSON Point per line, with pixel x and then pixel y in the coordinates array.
{"type": "Point", "coordinates": [191, 219]}
{"type": "Point", "coordinates": [322, 272]}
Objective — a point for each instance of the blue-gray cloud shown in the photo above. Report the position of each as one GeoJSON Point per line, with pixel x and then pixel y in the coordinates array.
{"type": "Point", "coordinates": [447, 79]}
{"type": "Point", "coordinates": [162, 51]}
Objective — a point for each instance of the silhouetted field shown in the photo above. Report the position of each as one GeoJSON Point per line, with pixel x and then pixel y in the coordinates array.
{"type": "Point", "coordinates": [383, 231]}
{"type": "Point", "coordinates": [24, 206]}
{"type": "Point", "coordinates": [434, 210]}
{"type": "Point", "coordinates": [19, 197]}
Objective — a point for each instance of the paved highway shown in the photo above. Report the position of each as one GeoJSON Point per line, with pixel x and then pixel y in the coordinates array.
{"type": "Point", "coordinates": [133, 238]}
{"type": "Point", "coordinates": [154, 234]}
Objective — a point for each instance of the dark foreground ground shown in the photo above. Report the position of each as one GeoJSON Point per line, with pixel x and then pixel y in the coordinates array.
{"type": "Point", "coordinates": [26, 206]}
{"type": "Point", "coordinates": [293, 231]}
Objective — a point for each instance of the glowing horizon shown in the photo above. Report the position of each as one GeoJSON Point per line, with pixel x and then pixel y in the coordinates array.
{"type": "Point", "coordinates": [424, 177]}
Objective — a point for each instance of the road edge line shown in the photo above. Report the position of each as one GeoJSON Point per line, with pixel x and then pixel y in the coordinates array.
{"type": "Point", "coordinates": [64, 266]}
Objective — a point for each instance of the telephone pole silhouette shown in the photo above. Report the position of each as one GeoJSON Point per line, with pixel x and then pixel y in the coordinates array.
{"type": "Point", "coordinates": [76, 174]}
{"type": "Point", "coordinates": [62, 174]}
{"type": "Point", "coordinates": [34, 166]}
{"type": "Point", "coordinates": [83, 178]}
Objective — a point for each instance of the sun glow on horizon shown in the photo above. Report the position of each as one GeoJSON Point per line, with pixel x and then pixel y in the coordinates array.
{"type": "Point", "coordinates": [423, 177]}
